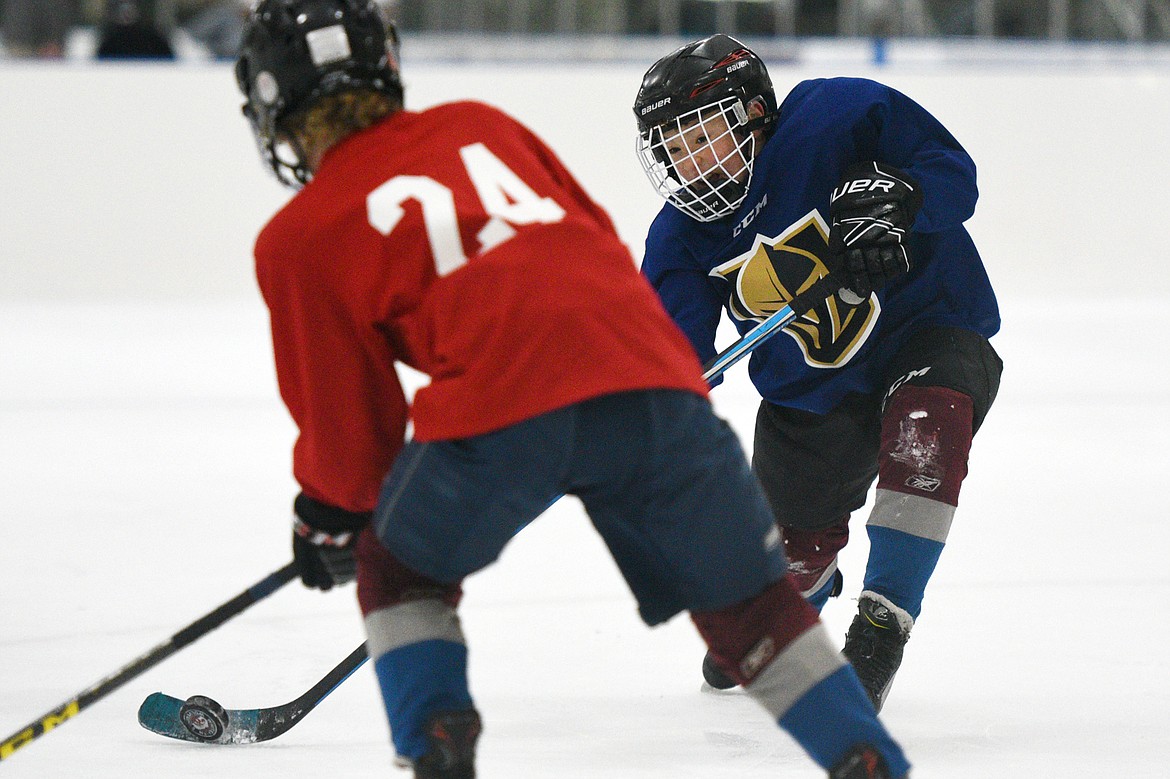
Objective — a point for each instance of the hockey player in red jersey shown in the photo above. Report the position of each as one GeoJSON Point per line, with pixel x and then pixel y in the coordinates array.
{"type": "Point", "coordinates": [454, 241]}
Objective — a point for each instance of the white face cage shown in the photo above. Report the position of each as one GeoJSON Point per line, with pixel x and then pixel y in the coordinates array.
{"type": "Point", "coordinates": [701, 162]}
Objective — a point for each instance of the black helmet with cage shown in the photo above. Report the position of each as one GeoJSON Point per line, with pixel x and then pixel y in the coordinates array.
{"type": "Point", "coordinates": [716, 78]}
{"type": "Point", "coordinates": [295, 52]}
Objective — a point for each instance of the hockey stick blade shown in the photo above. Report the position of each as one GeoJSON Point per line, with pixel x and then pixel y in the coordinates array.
{"type": "Point", "coordinates": [200, 627]}
{"type": "Point", "coordinates": [202, 720]}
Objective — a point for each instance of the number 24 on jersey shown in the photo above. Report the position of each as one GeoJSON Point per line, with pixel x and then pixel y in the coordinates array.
{"type": "Point", "coordinates": [506, 199]}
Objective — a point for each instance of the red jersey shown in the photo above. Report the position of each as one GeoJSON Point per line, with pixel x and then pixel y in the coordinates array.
{"type": "Point", "coordinates": [454, 241]}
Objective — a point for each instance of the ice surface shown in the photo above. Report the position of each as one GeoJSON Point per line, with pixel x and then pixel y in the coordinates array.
{"type": "Point", "coordinates": [143, 461]}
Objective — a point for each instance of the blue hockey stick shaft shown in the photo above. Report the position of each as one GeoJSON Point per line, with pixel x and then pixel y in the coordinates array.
{"type": "Point", "coordinates": [776, 322]}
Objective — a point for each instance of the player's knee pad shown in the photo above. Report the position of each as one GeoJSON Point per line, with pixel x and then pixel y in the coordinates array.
{"type": "Point", "coordinates": [384, 581]}
{"type": "Point", "coordinates": [744, 638]}
{"type": "Point", "coordinates": [812, 554]}
{"type": "Point", "coordinates": [926, 438]}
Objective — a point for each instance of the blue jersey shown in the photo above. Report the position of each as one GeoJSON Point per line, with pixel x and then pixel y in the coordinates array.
{"type": "Point", "coordinates": [776, 245]}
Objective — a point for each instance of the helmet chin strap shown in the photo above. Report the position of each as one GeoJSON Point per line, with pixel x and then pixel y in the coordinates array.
{"type": "Point", "coordinates": [760, 123]}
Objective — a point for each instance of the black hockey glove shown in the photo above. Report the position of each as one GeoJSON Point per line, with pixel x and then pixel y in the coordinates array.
{"type": "Point", "coordinates": [323, 539]}
{"type": "Point", "coordinates": [871, 212]}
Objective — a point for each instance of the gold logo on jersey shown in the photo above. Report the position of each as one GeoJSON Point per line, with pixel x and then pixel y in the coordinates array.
{"type": "Point", "coordinates": [775, 270]}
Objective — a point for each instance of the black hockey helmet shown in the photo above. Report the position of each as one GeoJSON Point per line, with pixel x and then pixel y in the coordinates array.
{"type": "Point", "coordinates": [295, 52]}
{"type": "Point", "coordinates": [699, 74]}
{"type": "Point", "coordinates": [720, 86]}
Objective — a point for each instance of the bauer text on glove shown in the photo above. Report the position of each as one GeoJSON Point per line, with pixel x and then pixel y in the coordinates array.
{"type": "Point", "coordinates": [871, 211]}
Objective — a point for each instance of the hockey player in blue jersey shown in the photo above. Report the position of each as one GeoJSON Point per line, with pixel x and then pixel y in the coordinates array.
{"type": "Point", "coordinates": [890, 377]}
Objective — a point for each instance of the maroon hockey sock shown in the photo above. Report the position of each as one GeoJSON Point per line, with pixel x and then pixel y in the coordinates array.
{"type": "Point", "coordinates": [744, 638]}
{"type": "Point", "coordinates": [812, 554]}
{"type": "Point", "coordinates": [383, 580]}
{"type": "Point", "coordinates": [926, 437]}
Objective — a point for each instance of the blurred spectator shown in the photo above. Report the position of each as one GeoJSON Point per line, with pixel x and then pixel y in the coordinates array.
{"type": "Point", "coordinates": [220, 26]}
{"type": "Point", "coordinates": [129, 32]}
{"type": "Point", "coordinates": [38, 28]}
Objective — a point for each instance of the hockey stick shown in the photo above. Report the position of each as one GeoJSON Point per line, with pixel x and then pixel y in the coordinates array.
{"type": "Point", "coordinates": [201, 719]}
{"type": "Point", "coordinates": [197, 629]}
{"type": "Point", "coordinates": [777, 321]}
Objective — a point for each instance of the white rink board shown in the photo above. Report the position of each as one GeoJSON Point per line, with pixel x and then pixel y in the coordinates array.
{"type": "Point", "coordinates": [142, 181]}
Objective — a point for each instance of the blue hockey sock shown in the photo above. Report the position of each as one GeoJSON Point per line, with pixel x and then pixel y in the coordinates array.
{"type": "Point", "coordinates": [834, 716]}
{"type": "Point", "coordinates": [418, 680]}
{"type": "Point", "coordinates": [900, 565]}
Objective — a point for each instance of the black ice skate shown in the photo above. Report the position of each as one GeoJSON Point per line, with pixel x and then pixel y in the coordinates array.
{"type": "Point", "coordinates": [451, 754]}
{"type": "Point", "coordinates": [874, 644]}
{"type": "Point", "coordinates": [862, 762]}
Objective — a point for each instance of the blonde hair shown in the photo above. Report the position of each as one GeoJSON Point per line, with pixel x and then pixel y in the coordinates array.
{"type": "Point", "coordinates": [335, 117]}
